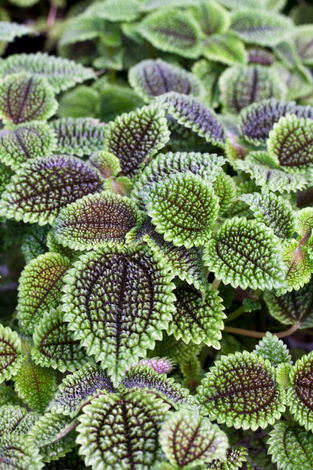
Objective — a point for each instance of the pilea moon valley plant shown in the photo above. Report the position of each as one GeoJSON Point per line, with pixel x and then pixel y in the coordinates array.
{"type": "Point", "coordinates": [156, 209]}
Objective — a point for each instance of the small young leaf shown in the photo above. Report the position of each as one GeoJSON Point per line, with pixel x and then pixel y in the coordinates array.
{"type": "Point", "coordinates": [106, 162]}
{"type": "Point", "coordinates": [174, 31]}
{"type": "Point", "coordinates": [225, 48]}
{"type": "Point", "coordinates": [161, 365]}
{"type": "Point", "coordinates": [95, 220]}
{"type": "Point", "coordinates": [188, 439]}
{"type": "Point", "coordinates": [60, 73]}
{"type": "Point", "coordinates": [9, 31]}
{"type": "Point", "coordinates": [18, 452]}
{"type": "Point", "coordinates": [25, 141]}
{"type": "Point", "coordinates": [225, 189]}
{"type": "Point", "coordinates": [39, 288]}
{"type": "Point", "coordinates": [135, 137]}
{"type": "Point", "coordinates": [240, 390]}
{"type": "Point", "coordinates": [152, 78]}
{"type": "Point", "coordinates": [24, 97]}
{"type": "Point", "coordinates": [42, 186]}
{"type": "Point", "coordinates": [11, 355]}
{"type": "Point", "coordinates": [194, 115]}
{"type": "Point", "coordinates": [273, 349]}
{"type": "Point", "coordinates": [251, 260]}
{"type": "Point", "coordinates": [299, 265]}
{"type": "Point", "coordinates": [184, 208]}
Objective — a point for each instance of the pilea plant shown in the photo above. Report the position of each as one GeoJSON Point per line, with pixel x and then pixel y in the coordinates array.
{"type": "Point", "coordinates": [156, 176]}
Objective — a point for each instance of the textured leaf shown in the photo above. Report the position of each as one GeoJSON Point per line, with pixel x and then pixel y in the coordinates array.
{"type": "Point", "coordinates": [273, 349]}
{"type": "Point", "coordinates": [60, 73]}
{"type": "Point", "coordinates": [95, 220]}
{"type": "Point", "coordinates": [107, 163]}
{"type": "Point", "coordinates": [212, 18]}
{"type": "Point", "coordinates": [225, 189]}
{"type": "Point", "coordinates": [17, 452]}
{"type": "Point", "coordinates": [240, 390]}
{"type": "Point", "coordinates": [77, 389]}
{"type": "Point", "coordinates": [188, 439]}
{"type": "Point", "coordinates": [117, 321]}
{"type": "Point", "coordinates": [225, 48]}
{"type": "Point", "coordinates": [299, 395]}
{"type": "Point", "coordinates": [184, 208]}
{"type": "Point", "coordinates": [81, 29]}
{"type": "Point", "coordinates": [146, 378]}
{"type": "Point", "coordinates": [9, 31]}
{"type": "Point", "coordinates": [236, 457]}
{"type": "Point", "coordinates": [251, 260]}
{"type": "Point", "coordinates": [35, 241]}
{"type": "Point", "coordinates": [70, 461]}
{"type": "Point", "coordinates": [55, 247]}
{"type": "Point", "coordinates": [243, 85]}
{"type": "Point", "coordinates": [176, 350]}
{"type": "Point", "coordinates": [54, 345]}
{"type": "Point", "coordinates": [290, 142]}
{"type": "Point", "coordinates": [11, 356]}
{"type": "Point", "coordinates": [299, 265]}
{"type": "Point", "coordinates": [131, 420]}
{"type": "Point", "coordinates": [15, 420]}
{"type": "Point", "coordinates": [273, 211]}
{"type": "Point", "coordinates": [39, 288]}
{"type": "Point", "coordinates": [42, 186]}
{"type": "Point", "coordinates": [135, 137]}
{"type": "Point", "coordinates": [115, 10]}
{"type": "Point", "coordinates": [302, 38]}
{"type": "Point", "coordinates": [25, 141]}
{"type": "Point", "coordinates": [198, 320]}
{"type": "Point", "coordinates": [161, 365]}
{"type": "Point", "coordinates": [172, 30]}
{"type": "Point", "coordinates": [24, 97]}
{"type": "Point", "coordinates": [262, 27]}
{"type": "Point", "coordinates": [80, 136]}
{"type": "Point", "coordinates": [152, 78]}
{"type": "Point", "coordinates": [194, 115]}
{"type": "Point", "coordinates": [257, 120]}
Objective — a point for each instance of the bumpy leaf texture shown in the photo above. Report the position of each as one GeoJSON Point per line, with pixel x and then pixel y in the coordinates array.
{"type": "Point", "coordinates": [151, 78]}
{"type": "Point", "coordinates": [236, 457]}
{"type": "Point", "coordinates": [11, 355]}
{"type": "Point", "coordinates": [107, 163]}
{"type": "Point", "coordinates": [43, 186]}
{"type": "Point", "coordinates": [15, 420]}
{"type": "Point", "coordinates": [17, 452]}
{"type": "Point", "coordinates": [81, 136]}
{"type": "Point", "coordinates": [130, 420]}
{"type": "Point", "coordinates": [115, 10]}
{"type": "Point", "coordinates": [240, 390]}
{"type": "Point", "coordinates": [24, 97]}
{"type": "Point", "coordinates": [225, 48]}
{"type": "Point", "coordinates": [273, 349]}
{"type": "Point", "coordinates": [9, 31]}
{"type": "Point", "coordinates": [60, 73]}
{"type": "Point", "coordinates": [119, 319]}
{"type": "Point", "coordinates": [299, 265]}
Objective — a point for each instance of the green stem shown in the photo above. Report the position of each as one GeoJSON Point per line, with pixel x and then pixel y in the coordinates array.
{"type": "Point", "coordinates": [259, 334]}
{"type": "Point", "coordinates": [236, 313]}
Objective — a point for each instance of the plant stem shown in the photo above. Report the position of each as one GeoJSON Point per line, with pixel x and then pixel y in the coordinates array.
{"type": "Point", "coordinates": [259, 334]}
{"type": "Point", "coordinates": [52, 15]}
{"type": "Point", "coordinates": [216, 283]}
{"type": "Point", "coordinates": [236, 313]}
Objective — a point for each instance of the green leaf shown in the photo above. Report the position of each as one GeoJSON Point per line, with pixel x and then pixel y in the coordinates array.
{"type": "Point", "coordinates": [263, 28]}
{"type": "Point", "coordinates": [107, 163]}
{"type": "Point", "coordinates": [95, 220]}
{"type": "Point", "coordinates": [15, 420]}
{"type": "Point", "coordinates": [208, 73]}
{"type": "Point", "coordinates": [251, 260]}
{"type": "Point", "coordinates": [82, 102]}
{"type": "Point", "coordinates": [225, 189]}
{"type": "Point", "coordinates": [24, 142]}
{"type": "Point", "coordinates": [299, 395]}
{"type": "Point", "coordinates": [35, 385]}
{"type": "Point", "coordinates": [236, 457]}
{"type": "Point", "coordinates": [115, 10]}
{"type": "Point", "coordinates": [82, 28]}
{"type": "Point", "coordinates": [243, 85]}
{"type": "Point", "coordinates": [240, 390]}
{"type": "Point", "coordinates": [151, 78]}
{"type": "Point", "coordinates": [135, 137]}
{"type": "Point", "coordinates": [17, 452]}
{"type": "Point", "coordinates": [241, 4]}
{"type": "Point", "coordinates": [176, 350]}
{"type": "Point", "coordinates": [292, 307]}
{"type": "Point", "coordinates": [161, 365]}
{"type": "Point", "coordinates": [273, 211]}
{"type": "Point", "coordinates": [184, 208]}
{"type": "Point", "coordinates": [11, 355]}
{"type": "Point", "coordinates": [302, 38]}
{"type": "Point", "coordinates": [39, 288]}
{"type": "Point", "coordinates": [60, 73]}
{"type": "Point", "coordinates": [299, 265]}
{"type": "Point", "coordinates": [192, 114]}
{"type": "Point", "coordinates": [35, 241]}
{"type": "Point", "coordinates": [8, 396]}
{"type": "Point", "coordinates": [70, 461]}
{"type": "Point", "coordinates": [172, 30]}
{"type": "Point", "coordinates": [130, 421]}
{"type": "Point", "coordinates": [9, 31]}
{"type": "Point", "coordinates": [290, 446]}
{"type": "Point", "coordinates": [273, 349]}
{"type": "Point", "coordinates": [188, 439]}
{"type": "Point", "coordinates": [54, 345]}
{"type": "Point", "coordinates": [155, 384]}
{"type": "Point", "coordinates": [225, 48]}
{"type": "Point", "coordinates": [42, 186]}
{"type": "Point", "coordinates": [198, 320]}
{"type": "Point", "coordinates": [77, 389]}
{"type": "Point", "coordinates": [116, 100]}
{"type": "Point", "coordinates": [119, 322]}
{"type": "Point", "coordinates": [80, 136]}
{"type": "Point", "coordinates": [24, 97]}
{"type": "Point", "coordinates": [212, 18]}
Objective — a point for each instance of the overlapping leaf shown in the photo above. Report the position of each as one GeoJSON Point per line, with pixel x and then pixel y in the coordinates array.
{"type": "Point", "coordinates": [273, 349]}
{"type": "Point", "coordinates": [225, 48]}
{"type": "Point", "coordinates": [302, 38]}
{"type": "Point", "coordinates": [212, 18]}
{"type": "Point", "coordinates": [42, 186]}
{"type": "Point", "coordinates": [15, 420]}
{"type": "Point", "coordinates": [83, 102]}
{"type": "Point", "coordinates": [106, 162]}
{"type": "Point", "coordinates": [11, 355]}
{"type": "Point", "coordinates": [236, 457]}
{"type": "Point", "coordinates": [299, 265]}
{"type": "Point", "coordinates": [17, 452]}
{"type": "Point", "coordinates": [225, 189]}
{"type": "Point", "coordinates": [35, 241]}
{"type": "Point", "coordinates": [115, 10]}
{"type": "Point", "coordinates": [9, 30]}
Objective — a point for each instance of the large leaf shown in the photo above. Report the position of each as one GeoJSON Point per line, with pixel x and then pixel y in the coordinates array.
{"type": "Point", "coordinates": [135, 137]}
{"type": "Point", "coordinates": [11, 355]}
{"type": "Point", "coordinates": [152, 78]}
{"type": "Point", "coordinates": [42, 186]}
{"type": "Point", "coordinates": [251, 260]}
{"type": "Point", "coordinates": [39, 288]}
{"type": "Point", "coordinates": [26, 98]}
{"type": "Point", "coordinates": [184, 208]}
{"type": "Point", "coordinates": [121, 430]}
{"type": "Point", "coordinates": [60, 73]}
{"type": "Point", "coordinates": [212, 18]}
{"type": "Point", "coordinates": [117, 302]}
{"type": "Point", "coordinates": [240, 390]}
{"type": "Point", "coordinates": [225, 48]}
{"type": "Point", "coordinates": [17, 452]}
{"type": "Point", "coordinates": [95, 220]}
